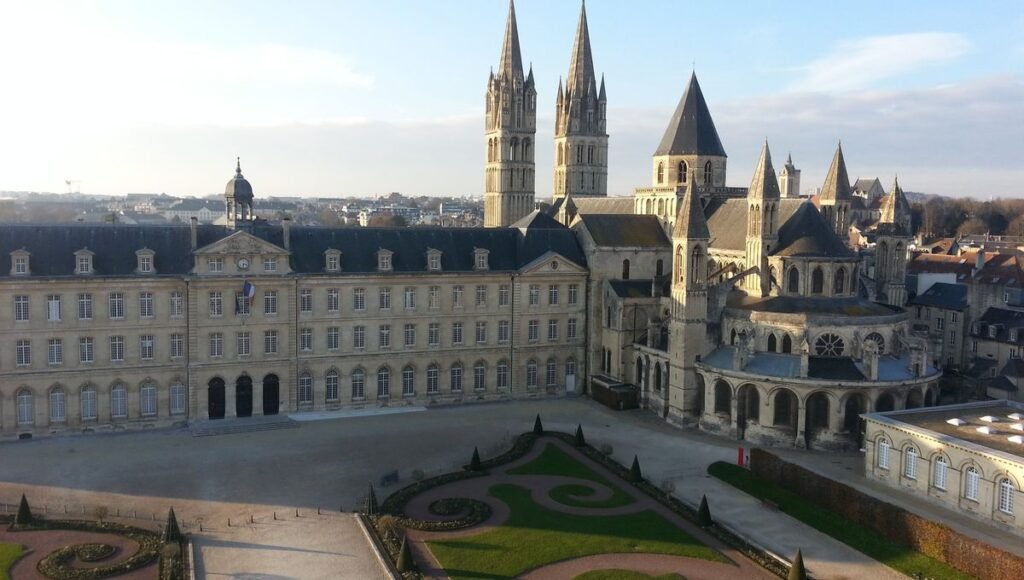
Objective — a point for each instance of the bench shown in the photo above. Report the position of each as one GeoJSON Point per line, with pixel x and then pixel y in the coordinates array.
{"type": "Point", "coordinates": [770, 504]}
{"type": "Point", "coordinates": [389, 478]}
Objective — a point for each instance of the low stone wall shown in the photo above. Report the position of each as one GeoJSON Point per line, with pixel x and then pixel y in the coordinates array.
{"type": "Point", "coordinates": [941, 542]}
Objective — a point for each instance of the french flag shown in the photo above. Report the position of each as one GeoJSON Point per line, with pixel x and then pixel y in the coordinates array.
{"type": "Point", "coordinates": [248, 294]}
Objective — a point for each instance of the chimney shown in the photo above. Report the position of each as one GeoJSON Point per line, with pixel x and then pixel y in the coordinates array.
{"type": "Point", "coordinates": [979, 259]}
{"type": "Point", "coordinates": [286, 232]}
{"type": "Point", "coordinates": [193, 224]}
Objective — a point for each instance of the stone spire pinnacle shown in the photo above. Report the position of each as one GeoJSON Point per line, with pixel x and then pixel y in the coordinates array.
{"type": "Point", "coordinates": [895, 207]}
{"type": "Point", "coordinates": [691, 130]}
{"type": "Point", "coordinates": [511, 63]}
{"type": "Point", "coordinates": [690, 221]}
{"type": "Point", "coordinates": [764, 185]}
{"type": "Point", "coordinates": [837, 182]}
{"type": "Point", "coordinates": [238, 166]}
{"type": "Point", "coordinates": [581, 66]}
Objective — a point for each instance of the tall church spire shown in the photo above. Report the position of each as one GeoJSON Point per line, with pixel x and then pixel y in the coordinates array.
{"type": "Point", "coordinates": [835, 195]}
{"type": "Point", "coordinates": [581, 137]}
{"type": "Point", "coordinates": [511, 63]}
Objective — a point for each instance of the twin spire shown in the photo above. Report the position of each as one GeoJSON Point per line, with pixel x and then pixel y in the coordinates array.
{"type": "Point", "coordinates": [837, 181]}
{"type": "Point", "coordinates": [511, 63]}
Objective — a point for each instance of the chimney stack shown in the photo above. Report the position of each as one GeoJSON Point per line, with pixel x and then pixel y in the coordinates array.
{"type": "Point", "coordinates": [286, 231]}
{"type": "Point", "coordinates": [193, 223]}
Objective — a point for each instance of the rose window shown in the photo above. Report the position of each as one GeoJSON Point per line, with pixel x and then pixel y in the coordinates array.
{"type": "Point", "coordinates": [829, 345]}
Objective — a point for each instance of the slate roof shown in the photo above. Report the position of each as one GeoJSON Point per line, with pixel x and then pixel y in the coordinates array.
{"type": "Point", "coordinates": [617, 230]}
{"type": "Point", "coordinates": [1003, 320]}
{"type": "Point", "coordinates": [238, 187]}
{"type": "Point", "coordinates": [805, 234]}
{"type": "Point", "coordinates": [216, 205]}
{"type": "Point", "coordinates": [834, 369]}
{"type": "Point", "coordinates": [1003, 384]}
{"type": "Point", "coordinates": [511, 62]}
{"type": "Point", "coordinates": [691, 131]}
{"type": "Point", "coordinates": [943, 295]}
{"type": "Point", "coordinates": [690, 220]}
{"type": "Point", "coordinates": [980, 368]}
{"type": "Point", "coordinates": [837, 181]}
{"type": "Point", "coordinates": [537, 219]}
{"type": "Point", "coordinates": [764, 185]}
{"type": "Point", "coordinates": [824, 368]}
{"type": "Point", "coordinates": [1013, 368]}
{"type": "Point", "coordinates": [52, 247]}
{"type": "Point", "coordinates": [727, 217]}
{"type": "Point", "coordinates": [800, 305]}
{"type": "Point", "coordinates": [605, 205]}
{"type": "Point", "coordinates": [1000, 269]}
{"type": "Point", "coordinates": [632, 288]}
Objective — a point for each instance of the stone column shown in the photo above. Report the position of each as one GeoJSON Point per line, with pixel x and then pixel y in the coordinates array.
{"type": "Point", "coordinates": [103, 405]}
{"type": "Point", "coordinates": [835, 418]}
{"type": "Point", "coordinates": [230, 400]}
{"type": "Point", "coordinates": [202, 410]}
{"type": "Point", "coordinates": [257, 398]}
{"type": "Point", "coordinates": [801, 425]}
{"type": "Point", "coordinates": [766, 413]}
{"type": "Point", "coordinates": [72, 408]}
{"type": "Point", "coordinates": [734, 416]}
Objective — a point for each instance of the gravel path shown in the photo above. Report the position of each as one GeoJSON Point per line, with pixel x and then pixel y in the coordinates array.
{"type": "Point", "coordinates": [39, 544]}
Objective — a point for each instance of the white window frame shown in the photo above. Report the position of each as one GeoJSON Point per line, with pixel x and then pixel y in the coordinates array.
{"type": "Point", "coordinates": [148, 400]}
{"type": "Point", "coordinates": [1005, 492]}
{"type": "Point", "coordinates": [408, 382]}
{"type": "Point", "coordinates": [305, 390]}
{"type": "Point", "coordinates": [574, 294]}
{"type": "Point", "coordinates": [433, 380]}
{"type": "Point", "coordinates": [479, 376]}
{"type": "Point", "coordinates": [270, 342]}
{"type": "Point", "coordinates": [502, 375]}
{"type": "Point", "coordinates": [333, 338]}
{"type": "Point", "coordinates": [147, 347]}
{"type": "Point", "coordinates": [22, 308]}
{"type": "Point", "coordinates": [409, 336]}
{"type": "Point", "coordinates": [270, 302]}
{"type": "Point", "coordinates": [504, 295]}
{"type": "Point", "coordinates": [216, 344]}
{"type": "Point", "coordinates": [384, 298]}
{"type": "Point", "coordinates": [24, 402]}
{"type": "Point", "coordinates": [53, 308]}
{"type": "Point", "coordinates": [119, 402]}
{"type": "Point", "coordinates": [90, 404]}
{"type": "Point", "coordinates": [383, 383]}
{"type": "Point", "coordinates": [434, 298]}
{"type": "Point", "coordinates": [115, 304]}
{"type": "Point", "coordinates": [270, 264]}
{"type": "Point", "coordinates": [178, 399]}
{"type": "Point", "coordinates": [305, 300]}
{"type": "Point", "coordinates": [177, 304]}
{"type": "Point", "coordinates": [434, 334]}
{"type": "Point", "coordinates": [85, 306]}
{"type": "Point", "coordinates": [359, 299]}
{"type": "Point", "coordinates": [306, 339]}
{"type": "Point", "coordinates": [333, 300]}
{"type": "Point", "coordinates": [332, 384]}
{"type": "Point", "coordinates": [117, 348]}
{"type": "Point", "coordinates": [55, 351]}
{"type": "Point", "coordinates": [939, 473]}
{"type": "Point", "coordinates": [243, 343]}
{"type": "Point", "coordinates": [410, 297]}
{"type": "Point", "coordinates": [358, 385]}
{"type": "Point", "coordinates": [23, 352]}
{"type": "Point", "coordinates": [972, 477]}
{"type": "Point", "coordinates": [504, 331]}
{"type": "Point", "coordinates": [457, 333]}
{"type": "Point", "coordinates": [58, 406]}
{"type": "Point", "coordinates": [883, 454]}
{"type": "Point", "coordinates": [359, 337]}
{"type": "Point", "coordinates": [177, 347]}
{"type": "Point", "coordinates": [86, 350]}
{"type": "Point", "coordinates": [910, 462]}
{"type": "Point", "coordinates": [455, 378]}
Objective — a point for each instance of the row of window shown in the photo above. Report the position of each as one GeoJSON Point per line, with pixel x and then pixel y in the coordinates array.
{"type": "Point", "coordinates": [83, 306]}
{"type": "Point", "coordinates": [24, 402]}
{"type": "Point", "coordinates": [839, 281]}
{"type": "Point", "coordinates": [681, 173]}
{"type": "Point", "coordinates": [87, 349]}
{"type": "Point", "coordinates": [20, 265]}
{"type": "Point", "coordinates": [332, 261]}
{"type": "Point", "coordinates": [1005, 489]}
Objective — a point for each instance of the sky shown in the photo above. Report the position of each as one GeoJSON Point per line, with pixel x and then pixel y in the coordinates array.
{"type": "Point", "coordinates": [347, 98]}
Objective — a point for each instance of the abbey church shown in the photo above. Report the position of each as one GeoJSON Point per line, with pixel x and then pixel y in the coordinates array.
{"type": "Point", "coordinates": [741, 311]}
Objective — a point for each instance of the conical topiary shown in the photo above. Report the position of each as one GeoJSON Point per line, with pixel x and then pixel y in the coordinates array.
{"type": "Point", "coordinates": [24, 516]}
{"type": "Point", "coordinates": [474, 464]}
{"type": "Point", "coordinates": [580, 441]}
{"type": "Point", "coordinates": [172, 533]}
{"type": "Point", "coordinates": [405, 563]}
{"type": "Point", "coordinates": [634, 472]}
{"type": "Point", "coordinates": [797, 570]}
{"type": "Point", "coordinates": [538, 427]}
{"type": "Point", "coordinates": [371, 503]}
{"type": "Point", "coordinates": [703, 512]}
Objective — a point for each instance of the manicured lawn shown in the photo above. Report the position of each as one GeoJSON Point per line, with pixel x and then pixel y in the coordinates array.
{"type": "Point", "coordinates": [554, 461]}
{"type": "Point", "coordinates": [9, 554]}
{"type": "Point", "coordinates": [534, 536]}
{"type": "Point", "coordinates": [624, 575]}
{"type": "Point", "coordinates": [898, 557]}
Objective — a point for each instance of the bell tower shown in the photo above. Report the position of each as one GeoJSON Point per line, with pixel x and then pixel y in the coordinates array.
{"type": "Point", "coordinates": [894, 235]}
{"type": "Point", "coordinates": [762, 223]}
{"type": "Point", "coordinates": [238, 199]}
{"type": "Point", "coordinates": [835, 196]}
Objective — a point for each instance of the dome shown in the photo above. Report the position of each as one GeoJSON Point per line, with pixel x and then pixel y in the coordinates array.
{"type": "Point", "coordinates": [238, 187]}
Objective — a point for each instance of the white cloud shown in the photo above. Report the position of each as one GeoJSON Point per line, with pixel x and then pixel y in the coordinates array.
{"type": "Point", "coordinates": [858, 64]}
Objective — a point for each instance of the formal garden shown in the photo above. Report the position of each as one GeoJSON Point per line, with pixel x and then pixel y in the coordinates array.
{"type": "Point", "coordinates": [32, 546]}
{"type": "Point", "coordinates": [554, 506]}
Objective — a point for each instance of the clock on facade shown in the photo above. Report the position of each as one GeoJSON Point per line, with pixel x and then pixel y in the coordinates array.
{"type": "Point", "coordinates": [243, 264]}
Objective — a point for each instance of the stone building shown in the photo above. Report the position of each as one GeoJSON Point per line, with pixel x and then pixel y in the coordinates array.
{"type": "Point", "coordinates": [968, 458]}
{"type": "Point", "coordinates": [115, 326]}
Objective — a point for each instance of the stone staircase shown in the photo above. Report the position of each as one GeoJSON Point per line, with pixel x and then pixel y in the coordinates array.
{"type": "Point", "coordinates": [211, 428]}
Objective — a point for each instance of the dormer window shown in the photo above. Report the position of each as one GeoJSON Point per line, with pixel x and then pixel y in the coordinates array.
{"type": "Point", "coordinates": [332, 260]}
{"type": "Point", "coordinates": [83, 261]}
{"type": "Point", "coordinates": [384, 260]}
{"type": "Point", "coordinates": [144, 259]}
{"type": "Point", "coordinates": [215, 264]}
{"type": "Point", "coordinates": [993, 330]}
{"type": "Point", "coordinates": [434, 260]}
{"type": "Point", "coordinates": [270, 264]}
{"type": "Point", "coordinates": [1013, 335]}
{"type": "Point", "coordinates": [19, 263]}
{"type": "Point", "coordinates": [480, 259]}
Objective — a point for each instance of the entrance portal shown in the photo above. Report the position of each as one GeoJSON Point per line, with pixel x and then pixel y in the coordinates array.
{"type": "Point", "coordinates": [215, 398]}
{"type": "Point", "coordinates": [243, 397]}
{"type": "Point", "coordinates": [271, 395]}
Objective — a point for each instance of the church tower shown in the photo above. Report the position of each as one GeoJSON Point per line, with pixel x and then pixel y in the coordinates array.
{"type": "Point", "coordinates": [762, 223]}
{"type": "Point", "coordinates": [690, 145]}
{"type": "Point", "coordinates": [581, 130]}
{"type": "Point", "coordinates": [238, 199]}
{"type": "Point", "coordinates": [688, 327]}
{"type": "Point", "coordinates": [789, 179]}
{"type": "Point", "coordinates": [894, 235]}
{"type": "Point", "coordinates": [835, 196]}
{"type": "Point", "coordinates": [510, 129]}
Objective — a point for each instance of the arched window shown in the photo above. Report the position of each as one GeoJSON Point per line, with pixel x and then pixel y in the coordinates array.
{"type": "Point", "coordinates": [479, 376]}
{"type": "Point", "coordinates": [878, 339]}
{"type": "Point", "coordinates": [659, 267]}
{"type": "Point", "coordinates": [787, 344]}
{"type": "Point", "coordinates": [829, 344]}
{"type": "Point", "coordinates": [625, 269]}
{"type": "Point", "coordinates": [147, 400]}
{"type": "Point", "coordinates": [1005, 500]}
{"type": "Point", "coordinates": [939, 475]}
{"type": "Point", "coordinates": [570, 367]}
{"type": "Point", "coordinates": [771, 342]}
{"type": "Point", "coordinates": [840, 282]}
{"type": "Point", "coordinates": [526, 149]}
{"type": "Point", "coordinates": [90, 409]}
{"type": "Point", "coordinates": [118, 402]}
{"type": "Point", "coordinates": [707, 173]}
{"type": "Point", "coordinates": [793, 284]}
{"type": "Point", "coordinates": [971, 479]}
{"type": "Point", "coordinates": [456, 377]}
{"type": "Point", "coordinates": [25, 410]}
{"type": "Point", "coordinates": [501, 374]}
{"type": "Point", "coordinates": [408, 381]}
{"type": "Point", "coordinates": [331, 384]}
{"type": "Point", "coordinates": [590, 155]}
{"type": "Point", "coordinates": [681, 172]}
{"type": "Point", "coordinates": [433, 380]}
{"type": "Point", "coordinates": [910, 462]}
{"type": "Point", "coordinates": [531, 374]}
{"type": "Point", "coordinates": [179, 399]}
{"type": "Point", "coordinates": [661, 207]}
{"type": "Point", "coordinates": [512, 149]}
{"type": "Point", "coordinates": [358, 384]}
{"type": "Point", "coordinates": [697, 266]}
{"type": "Point", "coordinates": [883, 454]}
{"type": "Point", "coordinates": [58, 412]}
{"type": "Point", "coordinates": [552, 373]}
{"type": "Point", "coordinates": [661, 173]}
{"type": "Point", "coordinates": [305, 388]}
{"type": "Point", "coordinates": [817, 281]}
{"type": "Point", "coordinates": [723, 398]}
{"type": "Point", "coordinates": [383, 383]}
{"type": "Point", "coordinates": [732, 337]}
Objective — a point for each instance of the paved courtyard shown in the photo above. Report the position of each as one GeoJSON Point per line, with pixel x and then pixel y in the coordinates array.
{"type": "Point", "coordinates": [328, 464]}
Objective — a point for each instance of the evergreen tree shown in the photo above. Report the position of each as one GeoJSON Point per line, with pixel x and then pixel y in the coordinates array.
{"type": "Point", "coordinates": [474, 464]}
{"type": "Point", "coordinates": [704, 513]}
{"type": "Point", "coordinates": [580, 441]}
{"type": "Point", "coordinates": [371, 503]}
{"type": "Point", "coordinates": [797, 570]}
{"type": "Point", "coordinates": [172, 533]}
{"type": "Point", "coordinates": [24, 516]}
{"type": "Point", "coordinates": [405, 563]}
{"type": "Point", "coordinates": [538, 427]}
{"type": "Point", "coordinates": [634, 472]}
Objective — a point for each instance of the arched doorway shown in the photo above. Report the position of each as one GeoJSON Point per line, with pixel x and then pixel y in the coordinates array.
{"type": "Point", "coordinates": [929, 398]}
{"type": "Point", "coordinates": [215, 398]}
{"type": "Point", "coordinates": [271, 395]}
{"type": "Point", "coordinates": [747, 408]}
{"type": "Point", "coordinates": [884, 403]}
{"type": "Point", "coordinates": [784, 410]}
{"type": "Point", "coordinates": [852, 422]}
{"type": "Point", "coordinates": [723, 398]}
{"type": "Point", "coordinates": [816, 416]}
{"type": "Point", "coordinates": [243, 396]}
{"type": "Point", "coordinates": [913, 399]}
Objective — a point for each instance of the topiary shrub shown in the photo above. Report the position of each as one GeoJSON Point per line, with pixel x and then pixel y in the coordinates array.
{"type": "Point", "coordinates": [95, 552]}
{"type": "Point", "coordinates": [24, 516]}
{"type": "Point", "coordinates": [405, 563]}
{"type": "Point", "coordinates": [704, 513]}
{"type": "Point", "coordinates": [578, 439]}
{"type": "Point", "coordinates": [172, 533]}
{"type": "Point", "coordinates": [474, 463]}
{"type": "Point", "coordinates": [635, 474]}
{"type": "Point", "coordinates": [797, 570]}
{"type": "Point", "coordinates": [538, 427]}
{"type": "Point", "coordinates": [371, 502]}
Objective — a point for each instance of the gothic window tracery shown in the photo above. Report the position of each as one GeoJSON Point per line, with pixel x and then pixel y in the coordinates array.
{"type": "Point", "coordinates": [829, 344]}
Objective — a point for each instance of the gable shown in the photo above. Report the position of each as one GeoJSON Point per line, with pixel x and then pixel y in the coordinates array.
{"type": "Point", "coordinates": [552, 263]}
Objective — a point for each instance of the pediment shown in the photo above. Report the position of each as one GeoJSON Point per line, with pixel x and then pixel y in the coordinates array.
{"type": "Point", "coordinates": [241, 243]}
{"type": "Point", "coordinates": [552, 263]}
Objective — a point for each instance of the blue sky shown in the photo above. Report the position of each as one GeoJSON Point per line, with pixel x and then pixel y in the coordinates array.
{"type": "Point", "coordinates": [351, 98]}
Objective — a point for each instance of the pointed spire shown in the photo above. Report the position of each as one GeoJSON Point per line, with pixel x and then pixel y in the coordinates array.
{"type": "Point", "coordinates": [581, 66]}
{"type": "Point", "coordinates": [238, 166]}
{"type": "Point", "coordinates": [602, 96]}
{"type": "Point", "coordinates": [764, 185]}
{"type": "Point", "coordinates": [559, 95]}
{"type": "Point", "coordinates": [691, 130]}
{"type": "Point", "coordinates": [837, 182]}
{"type": "Point", "coordinates": [690, 221]}
{"type": "Point", "coordinates": [511, 63]}
{"type": "Point", "coordinates": [895, 206]}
